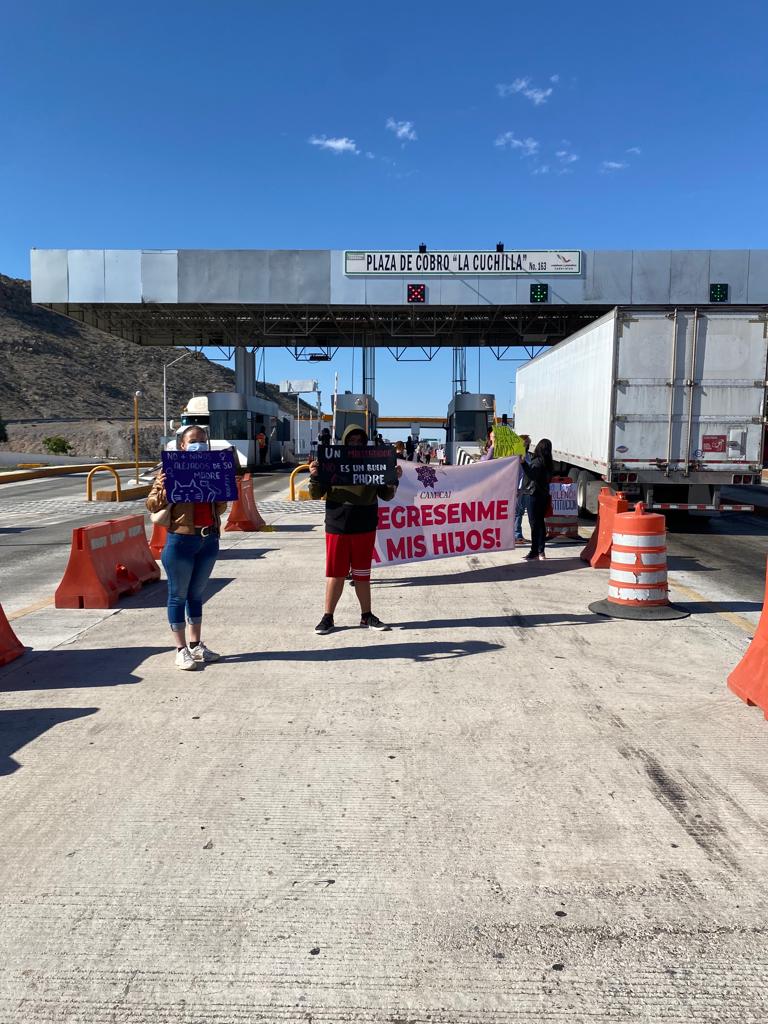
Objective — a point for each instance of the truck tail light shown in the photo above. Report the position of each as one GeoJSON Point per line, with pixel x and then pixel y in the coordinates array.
{"type": "Point", "coordinates": [632, 478]}
{"type": "Point", "coordinates": [739, 479]}
{"type": "Point", "coordinates": [623, 478]}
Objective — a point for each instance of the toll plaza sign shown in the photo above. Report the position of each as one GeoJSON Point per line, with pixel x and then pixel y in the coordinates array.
{"type": "Point", "coordinates": [511, 262]}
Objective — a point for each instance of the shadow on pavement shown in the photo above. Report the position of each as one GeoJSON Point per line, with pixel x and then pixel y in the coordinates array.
{"type": "Point", "coordinates": [711, 607]}
{"type": "Point", "coordinates": [493, 574]}
{"type": "Point", "coordinates": [63, 669]}
{"type": "Point", "coordinates": [436, 650]}
{"type": "Point", "coordinates": [155, 595]}
{"type": "Point", "coordinates": [238, 552]}
{"type": "Point", "coordinates": [303, 528]}
{"type": "Point", "coordinates": [514, 621]}
{"type": "Point", "coordinates": [681, 563]}
{"type": "Point", "coordinates": [18, 728]}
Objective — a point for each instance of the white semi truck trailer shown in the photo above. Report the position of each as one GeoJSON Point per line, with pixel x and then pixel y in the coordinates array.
{"type": "Point", "coordinates": [667, 406]}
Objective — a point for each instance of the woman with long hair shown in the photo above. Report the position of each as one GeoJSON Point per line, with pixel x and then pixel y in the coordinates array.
{"type": "Point", "coordinates": [538, 473]}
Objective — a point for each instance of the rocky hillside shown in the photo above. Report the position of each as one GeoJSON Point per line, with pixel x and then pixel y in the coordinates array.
{"type": "Point", "coordinates": [53, 369]}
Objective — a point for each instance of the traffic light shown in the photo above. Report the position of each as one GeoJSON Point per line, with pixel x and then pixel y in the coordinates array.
{"type": "Point", "coordinates": [539, 293]}
{"type": "Point", "coordinates": [417, 293]}
{"type": "Point", "coordinates": [718, 293]}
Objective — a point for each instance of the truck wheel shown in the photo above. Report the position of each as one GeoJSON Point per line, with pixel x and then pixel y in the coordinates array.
{"type": "Point", "coordinates": [586, 506]}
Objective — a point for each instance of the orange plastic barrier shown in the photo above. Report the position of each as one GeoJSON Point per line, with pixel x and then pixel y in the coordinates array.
{"type": "Point", "coordinates": [598, 549]}
{"type": "Point", "coordinates": [749, 680]}
{"type": "Point", "coordinates": [637, 587]}
{"type": "Point", "coordinates": [10, 645]}
{"type": "Point", "coordinates": [561, 526]}
{"type": "Point", "coordinates": [106, 560]}
{"type": "Point", "coordinates": [157, 540]}
{"type": "Point", "coordinates": [244, 516]}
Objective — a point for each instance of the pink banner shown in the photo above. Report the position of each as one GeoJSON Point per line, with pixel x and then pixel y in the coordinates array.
{"type": "Point", "coordinates": [441, 511]}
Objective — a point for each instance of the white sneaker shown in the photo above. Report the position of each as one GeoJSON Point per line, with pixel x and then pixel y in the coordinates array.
{"type": "Point", "coordinates": [184, 660]}
{"type": "Point", "coordinates": [203, 654]}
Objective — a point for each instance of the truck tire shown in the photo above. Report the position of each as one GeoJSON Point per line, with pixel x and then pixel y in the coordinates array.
{"type": "Point", "coordinates": [583, 478]}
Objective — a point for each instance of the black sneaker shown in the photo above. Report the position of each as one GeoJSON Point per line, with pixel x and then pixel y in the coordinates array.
{"type": "Point", "coordinates": [370, 621]}
{"type": "Point", "coordinates": [325, 625]}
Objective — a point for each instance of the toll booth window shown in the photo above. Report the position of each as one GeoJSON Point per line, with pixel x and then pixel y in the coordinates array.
{"type": "Point", "coordinates": [229, 425]}
{"type": "Point", "coordinates": [470, 426]}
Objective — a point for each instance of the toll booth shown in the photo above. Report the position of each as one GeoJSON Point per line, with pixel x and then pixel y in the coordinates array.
{"type": "Point", "coordinates": [360, 409]}
{"type": "Point", "coordinates": [466, 428]}
{"type": "Point", "coordinates": [237, 419]}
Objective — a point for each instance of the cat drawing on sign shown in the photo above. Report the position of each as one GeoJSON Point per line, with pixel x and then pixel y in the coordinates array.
{"type": "Point", "coordinates": [190, 491]}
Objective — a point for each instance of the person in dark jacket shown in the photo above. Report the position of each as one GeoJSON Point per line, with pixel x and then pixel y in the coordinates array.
{"type": "Point", "coordinates": [538, 473]}
{"type": "Point", "coordinates": [351, 519]}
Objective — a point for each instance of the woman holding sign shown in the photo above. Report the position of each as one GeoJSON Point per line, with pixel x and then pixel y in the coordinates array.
{"type": "Point", "coordinates": [351, 519]}
{"type": "Point", "coordinates": [188, 558]}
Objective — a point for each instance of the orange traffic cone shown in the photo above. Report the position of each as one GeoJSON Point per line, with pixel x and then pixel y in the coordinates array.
{"type": "Point", "coordinates": [157, 540]}
{"type": "Point", "coordinates": [749, 680]}
{"type": "Point", "coordinates": [10, 645]}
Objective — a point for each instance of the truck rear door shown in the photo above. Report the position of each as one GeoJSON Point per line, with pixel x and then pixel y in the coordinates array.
{"type": "Point", "coordinates": [690, 390]}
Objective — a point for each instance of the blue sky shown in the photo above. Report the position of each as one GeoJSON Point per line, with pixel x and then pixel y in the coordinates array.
{"type": "Point", "coordinates": [247, 124]}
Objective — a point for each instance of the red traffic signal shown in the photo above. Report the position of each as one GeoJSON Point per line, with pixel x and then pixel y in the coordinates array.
{"type": "Point", "coordinates": [417, 293]}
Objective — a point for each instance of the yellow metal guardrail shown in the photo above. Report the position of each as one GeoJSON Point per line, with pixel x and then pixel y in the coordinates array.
{"type": "Point", "coordinates": [89, 482]}
{"type": "Point", "coordinates": [292, 486]}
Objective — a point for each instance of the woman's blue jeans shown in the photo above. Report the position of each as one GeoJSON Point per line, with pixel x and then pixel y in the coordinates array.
{"type": "Point", "coordinates": [188, 562]}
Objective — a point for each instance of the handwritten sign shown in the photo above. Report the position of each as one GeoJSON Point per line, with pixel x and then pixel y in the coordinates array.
{"type": "Point", "coordinates": [340, 465]}
{"type": "Point", "coordinates": [199, 476]}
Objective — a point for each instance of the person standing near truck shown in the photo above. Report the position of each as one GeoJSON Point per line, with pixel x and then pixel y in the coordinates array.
{"type": "Point", "coordinates": [261, 441]}
{"type": "Point", "coordinates": [538, 473]}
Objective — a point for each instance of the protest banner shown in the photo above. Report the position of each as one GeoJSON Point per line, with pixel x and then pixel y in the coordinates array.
{"type": "Point", "coordinates": [440, 511]}
{"type": "Point", "coordinates": [199, 476]}
{"type": "Point", "coordinates": [341, 465]}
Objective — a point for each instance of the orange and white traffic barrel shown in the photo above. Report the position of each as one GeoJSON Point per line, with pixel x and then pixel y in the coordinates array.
{"type": "Point", "coordinates": [637, 584]}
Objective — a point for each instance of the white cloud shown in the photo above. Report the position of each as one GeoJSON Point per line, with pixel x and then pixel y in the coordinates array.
{"type": "Point", "coordinates": [635, 150]}
{"type": "Point", "coordinates": [370, 156]}
{"type": "Point", "coordinates": [543, 169]}
{"type": "Point", "coordinates": [554, 78]}
{"type": "Point", "coordinates": [566, 157]}
{"type": "Point", "coordinates": [404, 130]}
{"type": "Point", "coordinates": [337, 146]}
{"type": "Point", "coordinates": [612, 165]}
{"type": "Point", "coordinates": [526, 147]}
{"type": "Point", "coordinates": [523, 85]}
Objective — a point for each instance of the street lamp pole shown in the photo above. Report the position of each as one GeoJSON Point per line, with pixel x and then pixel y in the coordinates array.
{"type": "Point", "coordinates": [165, 384]}
{"type": "Point", "coordinates": [136, 396]}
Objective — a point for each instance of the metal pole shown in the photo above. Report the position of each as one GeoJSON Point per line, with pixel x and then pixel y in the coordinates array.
{"type": "Point", "coordinates": [335, 403]}
{"type": "Point", "coordinates": [165, 403]}
{"type": "Point", "coordinates": [136, 397]}
{"type": "Point", "coordinates": [298, 423]}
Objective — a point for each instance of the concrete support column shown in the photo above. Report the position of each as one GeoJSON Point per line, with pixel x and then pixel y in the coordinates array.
{"type": "Point", "coordinates": [245, 371]}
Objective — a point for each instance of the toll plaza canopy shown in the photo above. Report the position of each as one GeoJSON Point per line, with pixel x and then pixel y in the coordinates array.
{"type": "Point", "coordinates": [315, 301]}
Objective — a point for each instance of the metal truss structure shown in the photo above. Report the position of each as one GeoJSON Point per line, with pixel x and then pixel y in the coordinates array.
{"type": "Point", "coordinates": [314, 333]}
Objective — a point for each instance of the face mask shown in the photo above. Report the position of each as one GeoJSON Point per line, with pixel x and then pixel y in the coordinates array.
{"type": "Point", "coordinates": [198, 446]}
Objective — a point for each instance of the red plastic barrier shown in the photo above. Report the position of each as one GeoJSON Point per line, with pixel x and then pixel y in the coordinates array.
{"type": "Point", "coordinates": [244, 516]}
{"type": "Point", "coordinates": [106, 560]}
{"type": "Point", "coordinates": [749, 680]}
{"type": "Point", "coordinates": [10, 645]}
{"type": "Point", "coordinates": [598, 548]}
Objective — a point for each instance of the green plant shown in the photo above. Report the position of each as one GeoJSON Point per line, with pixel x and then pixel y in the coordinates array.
{"type": "Point", "coordinates": [57, 445]}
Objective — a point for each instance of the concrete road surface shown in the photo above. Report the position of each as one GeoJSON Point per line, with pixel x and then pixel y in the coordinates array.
{"type": "Point", "coordinates": [505, 810]}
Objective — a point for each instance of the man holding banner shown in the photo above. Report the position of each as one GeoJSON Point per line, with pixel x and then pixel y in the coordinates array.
{"type": "Point", "coordinates": [351, 477]}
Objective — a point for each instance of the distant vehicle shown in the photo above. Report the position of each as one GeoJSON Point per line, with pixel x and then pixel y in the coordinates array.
{"type": "Point", "coordinates": [666, 406]}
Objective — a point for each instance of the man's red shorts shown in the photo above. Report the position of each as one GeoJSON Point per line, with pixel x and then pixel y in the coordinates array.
{"type": "Point", "coordinates": [345, 551]}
